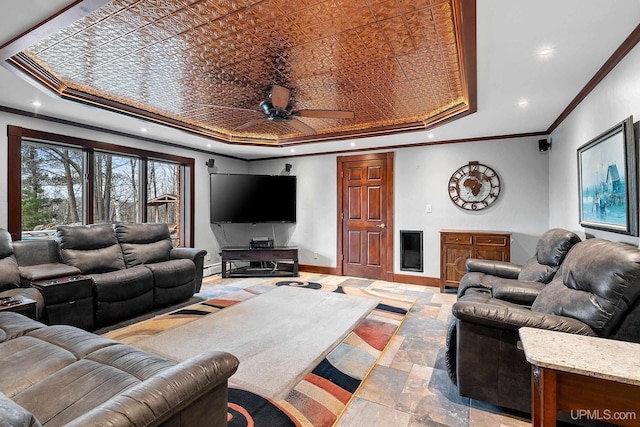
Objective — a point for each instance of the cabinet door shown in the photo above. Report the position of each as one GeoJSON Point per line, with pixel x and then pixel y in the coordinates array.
{"type": "Point", "coordinates": [454, 260]}
{"type": "Point", "coordinates": [492, 247]}
{"type": "Point", "coordinates": [493, 254]}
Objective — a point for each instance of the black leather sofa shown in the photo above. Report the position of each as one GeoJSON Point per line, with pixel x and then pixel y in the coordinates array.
{"type": "Point", "coordinates": [133, 267]}
{"type": "Point", "coordinates": [595, 292]}
{"type": "Point", "coordinates": [520, 283]}
{"type": "Point", "coordinates": [10, 283]}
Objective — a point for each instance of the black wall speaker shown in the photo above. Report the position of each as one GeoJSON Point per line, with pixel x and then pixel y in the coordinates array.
{"type": "Point", "coordinates": [543, 145]}
{"type": "Point", "coordinates": [209, 164]}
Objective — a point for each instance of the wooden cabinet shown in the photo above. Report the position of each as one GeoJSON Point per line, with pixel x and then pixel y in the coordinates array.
{"type": "Point", "coordinates": [458, 245]}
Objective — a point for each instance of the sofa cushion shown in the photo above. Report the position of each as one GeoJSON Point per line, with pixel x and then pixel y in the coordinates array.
{"type": "Point", "coordinates": [122, 284]}
{"type": "Point", "coordinates": [27, 360]}
{"type": "Point", "coordinates": [144, 243]}
{"type": "Point", "coordinates": [15, 415]}
{"type": "Point", "coordinates": [90, 370]}
{"type": "Point", "coordinates": [34, 252]}
{"type": "Point", "coordinates": [172, 273]}
{"type": "Point", "coordinates": [554, 245]}
{"type": "Point", "coordinates": [533, 271]}
{"type": "Point", "coordinates": [34, 273]}
{"type": "Point", "coordinates": [9, 273]}
{"type": "Point", "coordinates": [597, 284]}
{"type": "Point", "coordinates": [6, 248]}
{"type": "Point", "coordinates": [13, 325]}
{"type": "Point", "coordinates": [90, 248]}
{"type": "Point", "coordinates": [122, 294]}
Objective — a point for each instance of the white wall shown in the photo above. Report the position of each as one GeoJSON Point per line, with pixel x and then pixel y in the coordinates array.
{"type": "Point", "coordinates": [204, 237]}
{"type": "Point", "coordinates": [421, 177]}
{"type": "Point", "coordinates": [614, 99]}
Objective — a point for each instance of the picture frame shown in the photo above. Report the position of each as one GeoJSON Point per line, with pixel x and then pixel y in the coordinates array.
{"type": "Point", "coordinates": [607, 181]}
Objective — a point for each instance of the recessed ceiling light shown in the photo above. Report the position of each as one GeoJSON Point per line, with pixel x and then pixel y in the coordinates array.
{"type": "Point", "coordinates": [353, 144]}
{"type": "Point", "coordinates": [545, 52]}
{"type": "Point", "coordinates": [36, 104]}
{"type": "Point", "coordinates": [430, 136]}
{"type": "Point", "coordinates": [143, 130]}
{"type": "Point", "coordinates": [522, 103]}
{"type": "Point", "coordinates": [293, 150]}
{"type": "Point", "coordinates": [209, 145]}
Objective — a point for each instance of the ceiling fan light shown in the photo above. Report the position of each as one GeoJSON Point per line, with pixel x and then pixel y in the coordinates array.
{"type": "Point", "coordinates": [266, 106]}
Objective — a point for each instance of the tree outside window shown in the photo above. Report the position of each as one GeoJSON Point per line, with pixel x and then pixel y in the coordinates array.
{"type": "Point", "coordinates": [52, 188]}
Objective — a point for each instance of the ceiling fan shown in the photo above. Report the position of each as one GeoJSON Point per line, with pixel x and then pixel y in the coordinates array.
{"type": "Point", "coordinates": [278, 108]}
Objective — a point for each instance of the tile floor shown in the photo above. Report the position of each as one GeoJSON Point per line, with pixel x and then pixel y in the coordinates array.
{"type": "Point", "coordinates": [409, 385]}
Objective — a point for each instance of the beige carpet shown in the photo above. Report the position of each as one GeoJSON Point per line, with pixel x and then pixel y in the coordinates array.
{"type": "Point", "coordinates": [289, 330]}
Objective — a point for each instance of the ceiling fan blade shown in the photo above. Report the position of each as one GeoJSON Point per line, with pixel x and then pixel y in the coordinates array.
{"type": "Point", "coordinates": [326, 114]}
{"type": "Point", "coordinates": [249, 124]}
{"type": "Point", "coordinates": [228, 108]}
{"type": "Point", "coordinates": [280, 96]}
{"type": "Point", "coordinates": [301, 127]}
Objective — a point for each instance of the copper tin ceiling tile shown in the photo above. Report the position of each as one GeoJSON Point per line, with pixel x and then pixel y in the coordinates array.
{"type": "Point", "coordinates": [205, 65]}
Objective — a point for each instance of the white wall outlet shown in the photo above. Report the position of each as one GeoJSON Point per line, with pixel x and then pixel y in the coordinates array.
{"type": "Point", "coordinates": [429, 209]}
{"type": "Point", "coordinates": [207, 257]}
{"type": "Point", "coordinates": [315, 255]}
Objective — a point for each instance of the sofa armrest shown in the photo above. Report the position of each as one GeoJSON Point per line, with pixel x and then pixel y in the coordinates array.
{"type": "Point", "coordinates": [195, 255]}
{"type": "Point", "coordinates": [13, 325]}
{"type": "Point", "coordinates": [503, 269]}
{"type": "Point", "coordinates": [189, 253]}
{"type": "Point", "coordinates": [505, 315]}
{"type": "Point", "coordinates": [161, 397]}
{"type": "Point", "coordinates": [15, 415]}
{"type": "Point", "coordinates": [516, 291]}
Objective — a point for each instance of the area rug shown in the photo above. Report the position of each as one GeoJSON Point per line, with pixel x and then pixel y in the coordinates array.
{"type": "Point", "coordinates": [325, 390]}
{"type": "Point", "coordinates": [277, 336]}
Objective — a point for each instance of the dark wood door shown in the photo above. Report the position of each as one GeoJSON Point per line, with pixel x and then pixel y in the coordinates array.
{"type": "Point", "coordinates": [366, 215]}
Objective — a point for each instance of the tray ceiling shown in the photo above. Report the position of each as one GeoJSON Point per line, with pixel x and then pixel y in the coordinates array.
{"type": "Point", "coordinates": [205, 65]}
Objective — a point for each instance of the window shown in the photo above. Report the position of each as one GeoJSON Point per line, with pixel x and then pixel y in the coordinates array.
{"type": "Point", "coordinates": [66, 180]}
{"type": "Point", "coordinates": [51, 187]}
{"type": "Point", "coordinates": [116, 186]}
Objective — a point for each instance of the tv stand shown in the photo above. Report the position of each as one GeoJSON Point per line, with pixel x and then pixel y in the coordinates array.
{"type": "Point", "coordinates": [264, 262]}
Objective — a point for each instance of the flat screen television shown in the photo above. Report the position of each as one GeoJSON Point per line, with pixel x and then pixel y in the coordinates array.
{"type": "Point", "coordinates": [240, 198]}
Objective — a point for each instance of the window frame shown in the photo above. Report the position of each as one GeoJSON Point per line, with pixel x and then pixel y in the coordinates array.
{"type": "Point", "coordinates": [17, 134]}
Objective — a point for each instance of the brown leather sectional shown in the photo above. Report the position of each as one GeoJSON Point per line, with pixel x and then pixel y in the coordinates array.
{"type": "Point", "coordinates": [61, 375]}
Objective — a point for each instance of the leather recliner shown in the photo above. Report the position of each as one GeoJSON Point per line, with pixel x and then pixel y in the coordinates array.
{"type": "Point", "coordinates": [173, 269]}
{"type": "Point", "coordinates": [119, 292]}
{"type": "Point", "coordinates": [520, 283]}
{"type": "Point", "coordinates": [595, 292]}
{"type": "Point", "coordinates": [10, 275]}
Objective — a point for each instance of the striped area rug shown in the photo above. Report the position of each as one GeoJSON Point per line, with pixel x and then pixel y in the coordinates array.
{"type": "Point", "coordinates": [323, 394]}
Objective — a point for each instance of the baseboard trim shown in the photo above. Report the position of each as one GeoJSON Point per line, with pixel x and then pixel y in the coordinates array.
{"type": "Point", "coordinates": [318, 269]}
{"type": "Point", "coordinates": [401, 278]}
{"type": "Point", "coordinates": [417, 280]}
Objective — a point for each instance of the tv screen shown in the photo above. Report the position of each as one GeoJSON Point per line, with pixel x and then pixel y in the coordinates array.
{"type": "Point", "coordinates": [238, 198]}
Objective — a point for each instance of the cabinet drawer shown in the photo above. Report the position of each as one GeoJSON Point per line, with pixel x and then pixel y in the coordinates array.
{"type": "Point", "coordinates": [489, 240]}
{"type": "Point", "coordinates": [458, 239]}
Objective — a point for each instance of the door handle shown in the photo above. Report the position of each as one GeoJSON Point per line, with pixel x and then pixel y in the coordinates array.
{"type": "Point", "coordinates": [383, 225]}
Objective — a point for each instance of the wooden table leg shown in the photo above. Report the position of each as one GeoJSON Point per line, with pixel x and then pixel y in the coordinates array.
{"type": "Point", "coordinates": [543, 397]}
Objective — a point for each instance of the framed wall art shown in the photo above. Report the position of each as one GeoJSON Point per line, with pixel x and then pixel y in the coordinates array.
{"type": "Point", "coordinates": [607, 180]}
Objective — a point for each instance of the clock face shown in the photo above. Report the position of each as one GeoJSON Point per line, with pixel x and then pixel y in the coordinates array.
{"type": "Point", "coordinates": [474, 186]}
